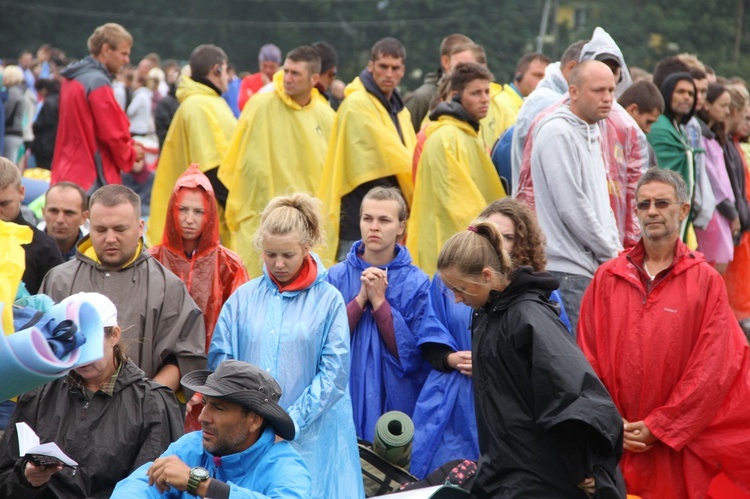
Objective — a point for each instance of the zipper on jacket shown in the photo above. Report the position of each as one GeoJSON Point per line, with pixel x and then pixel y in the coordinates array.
{"type": "Point", "coordinates": [85, 410]}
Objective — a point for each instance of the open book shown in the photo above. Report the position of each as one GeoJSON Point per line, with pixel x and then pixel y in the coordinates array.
{"type": "Point", "coordinates": [46, 455]}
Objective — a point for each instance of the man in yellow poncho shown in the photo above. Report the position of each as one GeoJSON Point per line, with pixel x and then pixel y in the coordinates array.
{"type": "Point", "coordinates": [279, 146]}
{"type": "Point", "coordinates": [455, 178]}
{"type": "Point", "coordinates": [371, 145]}
{"type": "Point", "coordinates": [199, 133]}
{"type": "Point", "coordinates": [529, 72]}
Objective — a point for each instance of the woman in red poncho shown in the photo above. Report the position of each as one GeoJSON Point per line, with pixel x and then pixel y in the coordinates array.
{"type": "Point", "coordinates": [190, 249]}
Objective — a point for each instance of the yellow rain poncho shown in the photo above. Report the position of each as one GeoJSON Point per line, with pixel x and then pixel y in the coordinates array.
{"type": "Point", "coordinates": [279, 147]}
{"type": "Point", "coordinates": [200, 133]}
{"type": "Point", "coordinates": [12, 266]}
{"type": "Point", "coordinates": [492, 124]}
{"type": "Point", "coordinates": [365, 146]}
{"type": "Point", "coordinates": [510, 102]}
{"type": "Point", "coordinates": [455, 181]}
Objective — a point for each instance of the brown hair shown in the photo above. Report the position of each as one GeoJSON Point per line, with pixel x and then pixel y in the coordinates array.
{"type": "Point", "coordinates": [112, 34]}
{"type": "Point", "coordinates": [204, 58]}
{"type": "Point", "coordinates": [298, 213]}
{"type": "Point", "coordinates": [70, 185]}
{"type": "Point", "coordinates": [525, 61]}
{"type": "Point", "coordinates": [643, 94]}
{"type": "Point", "coordinates": [450, 41]}
{"type": "Point", "coordinates": [528, 246]}
{"type": "Point", "coordinates": [387, 194]}
{"type": "Point", "coordinates": [119, 350]}
{"type": "Point", "coordinates": [388, 47]}
{"type": "Point", "coordinates": [466, 72]}
{"type": "Point", "coordinates": [114, 195]}
{"type": "Point", "coordinates": [471, 251]}
{"type": "Point", "coordinates": [308, 55]}
{"type": "Point", "coordinates": [476, 50]}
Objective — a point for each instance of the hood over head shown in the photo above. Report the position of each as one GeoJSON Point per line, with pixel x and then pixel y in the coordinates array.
{"type": "Point", "coordinates": [193, 178]}
{"type": "Point", "coordinates": [667, 90]}
{"type": "Point", "coordinates": [553, 80]}
{"type": "Point", "coordinates": [602, 47]}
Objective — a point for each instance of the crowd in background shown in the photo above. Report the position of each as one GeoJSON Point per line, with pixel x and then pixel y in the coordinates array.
{"type": "Point", "coordinates": [308, 227]}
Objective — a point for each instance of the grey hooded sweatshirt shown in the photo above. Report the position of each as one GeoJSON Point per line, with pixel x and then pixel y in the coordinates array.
{"type": "Point", "coordinates": [572, 198]}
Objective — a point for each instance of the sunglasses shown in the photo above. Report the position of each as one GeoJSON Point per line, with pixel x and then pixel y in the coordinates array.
{"type": "Point", "coordinates": [661, 204]}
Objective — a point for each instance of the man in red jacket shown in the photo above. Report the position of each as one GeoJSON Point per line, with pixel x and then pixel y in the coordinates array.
{"type": "Point", "coordinates": [94, 145]}
{"type": "Point", "coordinates": [657, 328]}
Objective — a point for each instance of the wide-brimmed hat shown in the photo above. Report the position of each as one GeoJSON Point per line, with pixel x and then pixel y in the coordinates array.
{"type": "Point", "coordinates": [246, 385]}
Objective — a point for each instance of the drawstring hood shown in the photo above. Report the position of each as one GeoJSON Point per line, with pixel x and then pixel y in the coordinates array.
{"type": "Point", "coordinates": [667, 91]}
{"type": "Point", "coordinates": [602, 47]}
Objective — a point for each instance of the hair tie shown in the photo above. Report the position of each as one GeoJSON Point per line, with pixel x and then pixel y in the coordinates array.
{"type": "Point", "coordinates": [473, 229]}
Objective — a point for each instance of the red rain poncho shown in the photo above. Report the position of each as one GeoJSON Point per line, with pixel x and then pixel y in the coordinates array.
{"type": "Point", "coordinates": [213, 272]}
{"type": "Point", "coordinates": [675, 358]}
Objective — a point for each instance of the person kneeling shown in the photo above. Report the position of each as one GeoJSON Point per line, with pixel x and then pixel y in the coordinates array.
{"type": "Point", "coordinates": [236, 452]}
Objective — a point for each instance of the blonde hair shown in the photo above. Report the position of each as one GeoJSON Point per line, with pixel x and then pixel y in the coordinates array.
{"type": "Point", "coordinates": [155, 77]}
{"type": "Point", "coordinates": [296, 214]}
{"type": "Point", "coordinates": [387, 194]}
{"type": "Point", "coordinates": [692, 61]}
{"type": "Point", "coordinates": [473, 250]}
{"type": "Point", "coordinates": [112, 34]}
{"type": "Point", "coordinates": [12, 75]}
{"type": "Point", "coordinates": [738, 97]}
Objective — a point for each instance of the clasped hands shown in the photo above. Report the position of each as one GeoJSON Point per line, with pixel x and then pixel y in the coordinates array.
{"type": "Point", "coordinates": [637, 437]}
{"type": "Point", "coordinates": [374, 283]}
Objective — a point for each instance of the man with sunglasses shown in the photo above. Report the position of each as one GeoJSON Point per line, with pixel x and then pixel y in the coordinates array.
{"type": "Point", "coordinates": [657, 328]}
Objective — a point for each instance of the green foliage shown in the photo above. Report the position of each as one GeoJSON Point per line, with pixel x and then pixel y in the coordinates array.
{"type": "Point", "coordinates": [505, 28]}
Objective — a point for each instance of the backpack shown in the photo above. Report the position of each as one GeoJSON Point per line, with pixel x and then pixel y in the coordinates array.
{"type": "Point", "coordinates": [380, 476]}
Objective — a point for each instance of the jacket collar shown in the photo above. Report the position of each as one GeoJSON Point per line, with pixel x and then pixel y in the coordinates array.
{"type": "Point", "coordinates": [401, 258]}
{"type": "Point", "coordinates": [454, 110]}
{"type": "Point", "coordinates": [631, 265]}
{"type": "Point", "coordinates": [240, 463]}
{"type": "Point", "coordinates": [394, 105]}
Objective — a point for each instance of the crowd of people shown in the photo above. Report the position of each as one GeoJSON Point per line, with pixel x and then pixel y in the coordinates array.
{"type": "Point", "coordinates": [550, 276]}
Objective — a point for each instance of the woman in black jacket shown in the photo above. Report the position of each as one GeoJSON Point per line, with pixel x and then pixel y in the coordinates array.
{"type": "Point", "coordinates": [106, 415]}
{"type": "Point", "coordinates": [547, 426]}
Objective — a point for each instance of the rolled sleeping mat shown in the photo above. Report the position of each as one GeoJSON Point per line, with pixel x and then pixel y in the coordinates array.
{"type": "Point", "coordinates": [394, 433]}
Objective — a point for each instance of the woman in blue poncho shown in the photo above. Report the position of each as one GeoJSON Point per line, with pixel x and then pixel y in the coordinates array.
{"type": "Point", "coordinates": [386, 299]}
{"type": "Point", "coordinates": [444, 419]}
{"type": "Point", "coordinates": [292, 323]}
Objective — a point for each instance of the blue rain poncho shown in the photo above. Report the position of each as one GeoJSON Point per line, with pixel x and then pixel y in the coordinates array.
{"type": "Point", "coordinates": [302, 339]}
{"type": "Point", "coordinates": [379, 382]}
{"type": "Point", "coordinates": [445, 426]}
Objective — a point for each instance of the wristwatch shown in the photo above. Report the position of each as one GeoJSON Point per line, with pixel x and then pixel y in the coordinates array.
{"type": "Point", "coordinates": [198, 475]}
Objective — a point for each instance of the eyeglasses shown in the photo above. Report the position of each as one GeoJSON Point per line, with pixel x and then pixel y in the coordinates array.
{"type": "Point", "coordinates": [661, 204]}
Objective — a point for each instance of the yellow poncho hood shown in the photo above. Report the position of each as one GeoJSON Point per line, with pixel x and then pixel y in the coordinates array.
{"type": "Point", "coordinates": [200, 133]}
{"type": "Point", "coordinates": [12, 266]}
{"type": "Point", "coordinates": [365, 146]}
{"type": "Point", "coordinates": [455, 181]}
{"type": "Point", "coordinates": [278, 147]}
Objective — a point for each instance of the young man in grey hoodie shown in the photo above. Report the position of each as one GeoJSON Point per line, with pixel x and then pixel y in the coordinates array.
{"type": "Point", "coordinates": [570, 183]}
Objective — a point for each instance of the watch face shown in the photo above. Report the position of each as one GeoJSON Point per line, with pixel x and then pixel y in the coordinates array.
{"type": "Point", "coordinates": [199, 473]}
